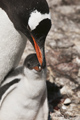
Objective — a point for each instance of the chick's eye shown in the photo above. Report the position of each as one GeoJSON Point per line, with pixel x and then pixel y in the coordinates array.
{"type": "Point", "coordinates": [28, 65]}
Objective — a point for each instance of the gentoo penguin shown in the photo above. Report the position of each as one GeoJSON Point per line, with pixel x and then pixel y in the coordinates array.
{"type": "Point", "coordinates": [23, 94]}
{"type": "Point", "coordinates": [19, 20]}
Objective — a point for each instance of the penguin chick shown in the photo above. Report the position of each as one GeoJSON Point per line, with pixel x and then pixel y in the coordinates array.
{"type": "Point", "coordinates": [23, 94]}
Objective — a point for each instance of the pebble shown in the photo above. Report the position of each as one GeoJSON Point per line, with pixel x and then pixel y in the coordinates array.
{"type": "Point", "coordinates": [79, 73]}
{"type": "Point", "coordinates": [52, 45]}
{"type": "Point", "coordinates": [78, 118]}
{"type": "Point", "coordinates": [67, 101]}
{"type": "Point", "coordinates": [64, 107]}
{"type": "Point", "coordinates": [78, 60]}
{"type": "Point", "coordinates": [66, 90]}
{"type": "Point", "coordinates": [78, 93]}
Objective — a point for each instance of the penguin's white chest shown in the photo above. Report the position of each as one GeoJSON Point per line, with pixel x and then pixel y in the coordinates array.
{"type": "Point", "coordinates": [13, 107]}
{"type": "Point", "coordinates": [22, 103]}
{"type": "Point", "coordinates": [12, 44]}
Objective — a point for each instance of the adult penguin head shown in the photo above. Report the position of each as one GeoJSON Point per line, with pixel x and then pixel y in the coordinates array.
{"type": "Point", "coordinates": [32, 18]}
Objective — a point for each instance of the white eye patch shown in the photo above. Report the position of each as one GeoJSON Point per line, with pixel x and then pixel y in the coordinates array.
{"type": "Point", "coordinates": [36, 17]}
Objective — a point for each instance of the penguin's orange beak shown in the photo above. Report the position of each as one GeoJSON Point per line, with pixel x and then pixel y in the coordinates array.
{"type": "Point", "coordinates": [38, 51]}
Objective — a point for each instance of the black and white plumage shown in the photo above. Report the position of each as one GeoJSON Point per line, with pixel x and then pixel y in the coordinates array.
{"type": "Point", "coordinates": [19, 20]}
{"type": "Point", "coordinates": [25, 96]}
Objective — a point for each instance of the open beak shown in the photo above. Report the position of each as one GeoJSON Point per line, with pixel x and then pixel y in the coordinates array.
{"type": "Point", "coordinates": [38, 52]}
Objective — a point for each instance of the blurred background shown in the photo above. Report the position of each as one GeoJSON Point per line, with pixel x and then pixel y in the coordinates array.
{"type": "Point", "coordinates": [63, 60]}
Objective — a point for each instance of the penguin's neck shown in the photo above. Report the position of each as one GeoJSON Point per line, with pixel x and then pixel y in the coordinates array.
{"type": "Point", "coordinates": [33, 75]}
{"type": "Point", "coordinates": [32, 88]}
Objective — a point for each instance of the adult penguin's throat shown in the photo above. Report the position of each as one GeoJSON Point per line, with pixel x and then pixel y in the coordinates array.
{"type": "Point", "coordinates": [38, 51]}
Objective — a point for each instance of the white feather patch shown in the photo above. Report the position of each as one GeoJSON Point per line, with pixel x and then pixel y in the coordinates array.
{"type": "Point", "coordinates": [12, 44]}
{"type": "Point", "coordinates": [36, 17]}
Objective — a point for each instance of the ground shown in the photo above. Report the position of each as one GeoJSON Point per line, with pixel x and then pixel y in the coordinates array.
{"type": "Point", "coordinates": [63, 60]}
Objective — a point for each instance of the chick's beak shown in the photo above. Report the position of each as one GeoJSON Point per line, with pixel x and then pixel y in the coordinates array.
{"type": "Point", "coordinates": [37, 68]}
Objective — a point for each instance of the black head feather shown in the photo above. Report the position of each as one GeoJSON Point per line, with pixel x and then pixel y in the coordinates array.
{"type": "Point", "coordinates": [31, 61]}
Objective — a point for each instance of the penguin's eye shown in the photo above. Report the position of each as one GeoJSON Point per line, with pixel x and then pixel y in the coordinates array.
{"type": "Point", "coordinates": [28, 65]}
